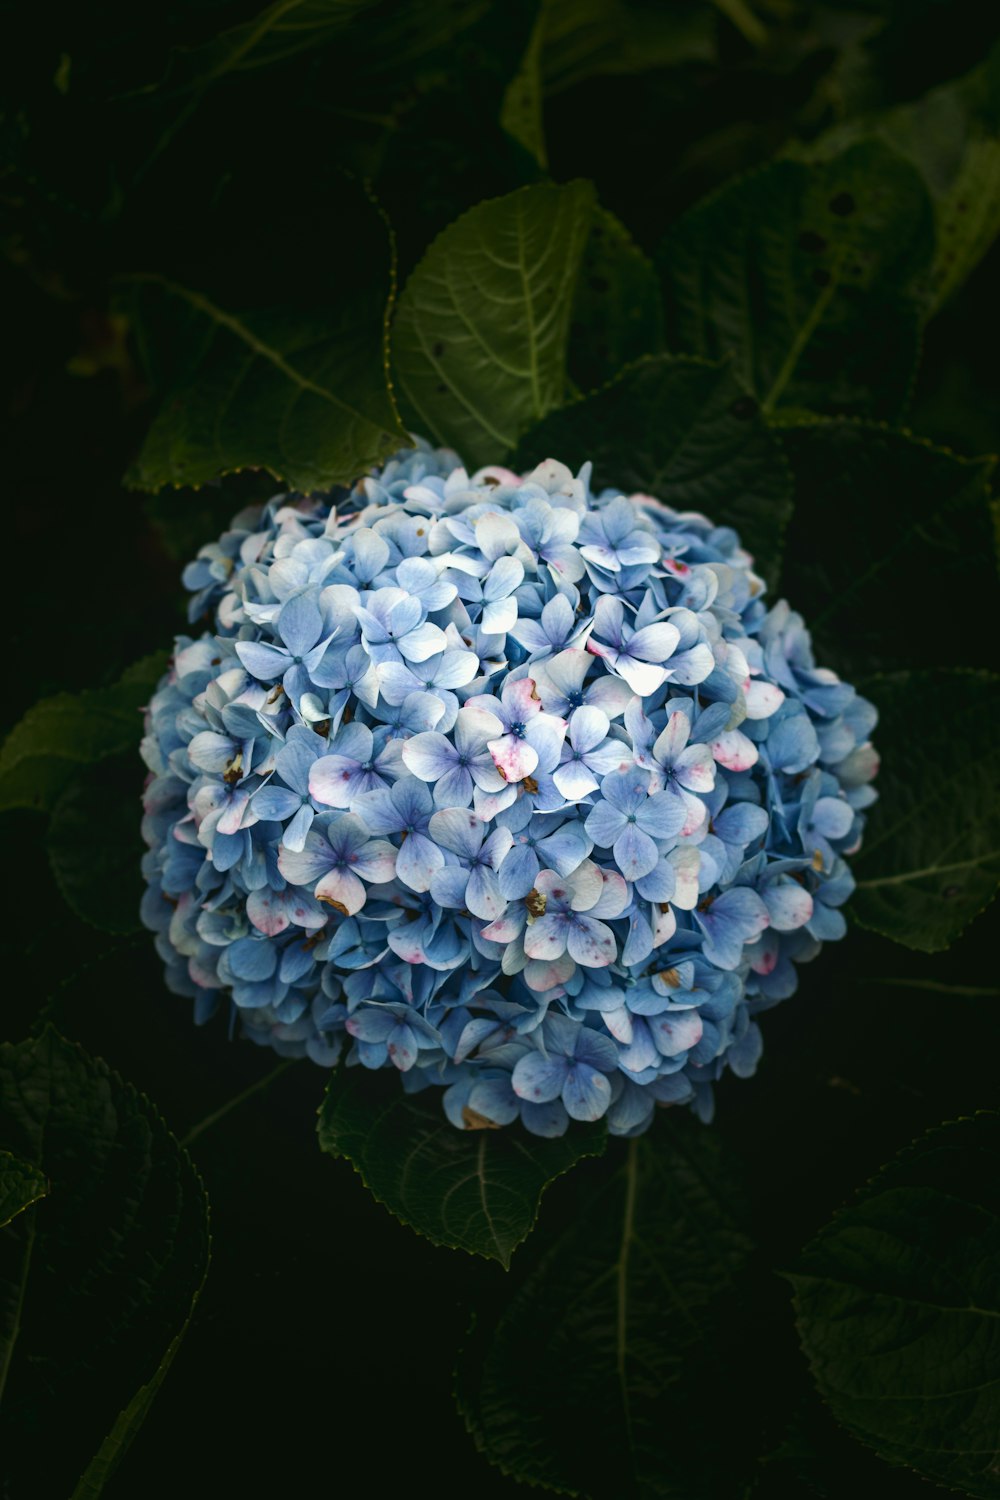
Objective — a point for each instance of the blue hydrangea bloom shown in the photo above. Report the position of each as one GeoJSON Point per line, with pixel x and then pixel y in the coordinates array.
{"type": "Point", "coordinates": [517, 788]}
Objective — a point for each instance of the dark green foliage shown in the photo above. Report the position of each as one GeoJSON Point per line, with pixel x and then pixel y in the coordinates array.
{"type": "Point", "coordinates": [734, 242]}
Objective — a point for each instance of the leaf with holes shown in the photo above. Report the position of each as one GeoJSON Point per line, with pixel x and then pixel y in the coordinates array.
{"type": "Point", "coordinates": [687, 432]}
{"type": "Point", "coordinates": [612, 1370]}
{"type": "Point", "coordinates": [898, 1306]}
{"type": "Point", "coordinates": [479, 341]}
{"type": "Point", "coordinates": [21, 1184]}
{"type": "Point", "coordinates": [877, 513]}
{"type": "Point", "coordinates": [44, 752]}
{"type": "Point", "coordinates": [952, 135]}
{"type": "Point", "coordinates": [617, 311]}
{"type": "Point", "coordinates": [474, 1190]}
{"type": "Point", "coordinates": [808, 274]}
{"type": "Point", "coordinates": [930, 860]}
{"type": "Point", "coordinates": [98, 1279]}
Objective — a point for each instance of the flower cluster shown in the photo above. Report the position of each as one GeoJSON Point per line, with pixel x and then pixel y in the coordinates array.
{"type": "Point", "coordinates": [517, 788]}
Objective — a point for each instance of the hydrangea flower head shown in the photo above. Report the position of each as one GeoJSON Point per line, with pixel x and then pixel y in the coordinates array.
{"type": "Point", "coordinates": [517, 788]}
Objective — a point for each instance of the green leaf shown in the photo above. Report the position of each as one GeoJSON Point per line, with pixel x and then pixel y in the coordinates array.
{"type": "Point", "coordinates": [21, 1184]}
{"type": "Point", "coordinates": [877, 513]}
{"type": "Point", "coordinates": [303, 396]}
{"type": "Point", "coordinates": [687, 432]}
{"type": "Point", "coordinates": [95, 848]}
{"type": "Point", "coordinates": [952, 135]}
{"type": "Point", "coordinates": [479, 341]}
{"type": "Point", "coordinates": [592, 38]}
{"type": "Point", "coordinates": [807, 274]}
{"type": "Point", "coordinates": [930, 860]}
{"type": "Point", "coordinates": [617, 311]}
{"type": "Point", "coordinates": [899, 1311]}
{"type": "Point", "coordinates": [607, 1373]}
{"type": "Point", "coordinates": [474, 1190]}
{"type": "Point", "coordinates": [98, 1280]}
{"type": "Point", "coordinates": [43, 753]}
{"type": "Point", "coordinates": [521, 110]}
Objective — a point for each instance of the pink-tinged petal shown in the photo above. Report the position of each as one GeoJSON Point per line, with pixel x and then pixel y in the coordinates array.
{"type": "Point", "coordinates": [762, 699]}
{"type": "Point", "coordinates": [734, 751]}
{"type": "Point", "coordinates": [507, 927]}
{"type": "Point", "coordinates": [764, 953]}
{"type": "Point", "coordinates": [266, 910]}
{"type": "Point", "coordinates": [523, 697]}
{"type": "Point", "coordinates": [342, 890]}
{"type": "Point", "coordinates": [514, 758]}
{"type": "Point", "coordinates": [788, 904]}
{"type": "Point", "coordinates": [614, 896]}
{"type": "Point", "coordinates": [541, 974]}
{"type": "Point", "coordinates": [376, 862]}
{"type": "Point", "coordinates": [686, 863]}
{"type": "Point", "coordinates": [545, 938]}
{"type": "Point", "coordinates": [675, 1032]}
{"type": "Point", "coordinates": [673, 737]}
{"type": "Point", "coordinates": [585, 885]}
{"type": "Point", "coordinates": [331, 780]}
{"type": "Point", "coordinates": [860, 766]}
{"type": "Point", "coordinates": [591, 943]}
{"type": "Point", "coordinates": [694, 816]}
{"type": "Point", "coordinates": [695, 769]}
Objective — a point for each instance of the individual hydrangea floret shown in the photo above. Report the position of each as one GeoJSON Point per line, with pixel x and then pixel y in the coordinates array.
{"type": "Point", "coordinates": [519, 789]}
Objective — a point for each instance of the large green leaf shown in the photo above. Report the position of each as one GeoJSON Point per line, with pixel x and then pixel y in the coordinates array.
{"type": "Point", "coordinates": [930, 860]}
{"type": "Point", "coordinates": [44, 752]}
{"type": "Point", "coordinates": [474, 1190]}
{"type": "Point", "coordinates": [899, 1308]}
{"type": "Point", "coordinates": [807, 274]}
{"type": "Point", "coordinates": [479, 341]}
{"type": "Point", "coordinates": [21, 1184]}
{"type": "Point", "coordinates": [617, 311]}
{"type": "Point", "coordinates": [687, 432]}
{"type": "Point", "coordinates": [952, 135]}
{"type": "Point", "coordinates": [97, 1280]}
{"type": "Point", "coordinates": [611, 1371]}
{"type": "Point", "coordinates": [877, 514]}
{"type": "Point", "coordinates": [305, 396]}
{"type": "Point", "coordinates": [94, 845]}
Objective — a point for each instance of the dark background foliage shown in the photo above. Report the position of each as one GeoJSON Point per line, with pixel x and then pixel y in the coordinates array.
{"type": "Point", "coordinates": [138, 154]}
